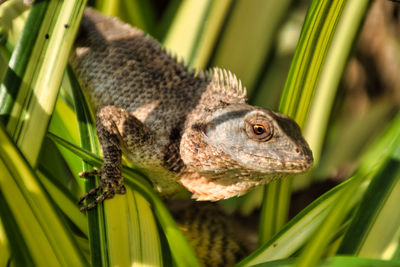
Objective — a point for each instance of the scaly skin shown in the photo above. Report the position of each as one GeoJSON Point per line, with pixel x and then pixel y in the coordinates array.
{"type": "Point", "coordinates": [210, 232]}
{"type": "Point", "coordinates": [181, 129]}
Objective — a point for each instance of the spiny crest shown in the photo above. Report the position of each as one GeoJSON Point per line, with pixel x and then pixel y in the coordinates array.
{"type": "Point", "coordinates": [178, 59]}
{"type": "Point", "coordinates": [226, 82]}
{"type": "Point", "coordinates": [170, 53]}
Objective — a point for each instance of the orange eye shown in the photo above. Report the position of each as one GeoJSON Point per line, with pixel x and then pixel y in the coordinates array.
{"type": "Point", "coordinates": [259, 131]}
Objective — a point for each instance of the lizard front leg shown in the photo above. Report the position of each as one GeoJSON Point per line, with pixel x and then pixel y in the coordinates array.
{"type": "Point", "coordinates": [110, 123]}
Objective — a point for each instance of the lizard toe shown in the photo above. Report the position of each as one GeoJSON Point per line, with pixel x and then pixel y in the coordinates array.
{"type": "Point", "coordinates": [91, 192]}
{"type": "Point", "coordinates": [90, 173]}
{"type": "Point", "coordinates": [100, 198]}
{"type": "Point", "coordinates": [121, 190]}
{"type": "Point", "coordinates": [108, 192]}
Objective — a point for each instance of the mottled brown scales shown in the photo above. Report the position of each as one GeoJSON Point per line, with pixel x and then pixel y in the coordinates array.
{"type": "Point", "coordinates": [209, 232]}
{"type": "Point", "coordinates": [183, 130]}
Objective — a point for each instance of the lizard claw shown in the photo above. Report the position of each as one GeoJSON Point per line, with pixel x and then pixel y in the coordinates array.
{"type": "Point", "coordinates": [108, 185]}
{"type": "Point", "coordinates": [121, 190]}
{"type": "Point", "coordinates": [100, 198]}
{"type": "Point", "coordinates": [90, 173]}
{"type": "Point", "coordinates": [91, 192]}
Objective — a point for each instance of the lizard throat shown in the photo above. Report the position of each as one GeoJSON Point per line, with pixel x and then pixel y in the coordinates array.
{"type": "Point", "coordinates": [222, 187]}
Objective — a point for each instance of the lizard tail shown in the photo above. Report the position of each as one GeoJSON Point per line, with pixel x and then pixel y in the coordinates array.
{"type": "Point", "coordinates": [210, 232]}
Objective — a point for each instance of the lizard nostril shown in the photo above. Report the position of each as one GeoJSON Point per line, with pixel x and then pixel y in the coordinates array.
{"type": "Point", "coordinates": [297, 151]}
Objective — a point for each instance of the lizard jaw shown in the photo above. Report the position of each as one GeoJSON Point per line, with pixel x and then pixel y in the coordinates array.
{"type": "Point", "coordinates": [206, 189]}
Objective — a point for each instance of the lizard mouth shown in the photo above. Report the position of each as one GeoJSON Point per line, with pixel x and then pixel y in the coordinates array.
{"type": "Point", "coordinates": [268, 164]}
{"type": "Point", "coordinates": [286, 167]}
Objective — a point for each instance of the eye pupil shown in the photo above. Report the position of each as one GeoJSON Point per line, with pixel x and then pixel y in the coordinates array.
{"type": "Point", "coordinates": [258, 129]}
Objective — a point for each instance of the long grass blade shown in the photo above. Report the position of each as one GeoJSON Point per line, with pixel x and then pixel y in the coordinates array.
{"type": "Point", "coordinates": [87, 132]}
{"type": "Point", "coordinates": [208, 33]}
{"type": "Point", "coordinates": [248, 37]}
{"type": "Point", "coordinates": [30, 118]}
{"type": "Point", "coordinates": [187, 27]}
{"type": "Point", "coordinates": [182, 253]}
{"type": "Point", "coordinates": [382, 182]}
{"type": "Point", "coordinates": [5, 253]}
{"type": "Point", "coordinates": [13, 16]}
{"type": "Point", "coordinates": [331, 72]}
{"type": "Point", "coordinates": [374, 231]}
{"type": "Point", "coordinates": [317, 54]}
{"type": "Point", "coordinates": [304, 226]}
{"type": "Point", "coordinates": [337, 261]}
{"type": "Point", "coordinates": [35, 220]}
{"type": "Point", "coordinates": [21, 54]}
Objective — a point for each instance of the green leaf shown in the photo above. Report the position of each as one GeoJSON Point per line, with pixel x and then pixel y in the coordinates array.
{"type": "Point", "coordinates": [136, 12]}
{"type": "Point", "coordinates": [5, 254]}
{"type": "Point", "coordinates": [295, 233]}
{"type": "Point", "coordinates": [13, 15]}
{"type": "Point", "coordinates": [331, 71]}
{"type": "Point", "coordinates": [21, 54]}
{"type": "Point", "coordinates": [36, 226]}
{"type": "Point", "coordinates": [185, 27]}
{"type": "Point", "coordinates": [64, 124]}
{"type": "Point", "coordinates": [317, 246]}
{"type": "Point", "coordinates": [305, 225]}
{"type": "Point", "coordinates": [63, 199]}
{"type": "Point", "coordinates": [38, 74]}
{"type": "Point", "coordinates": [194, 30]}
{"type": "Point", "coordinates": [247, 38]}
{"type": "Point", "coordinates": [374, 229]}
{"type": "Point", "coordinates": [338, 261]}
{"type": "Point", "coordinates": [325, 42]}
{"type": "Point", "coordinates": [181, 251]}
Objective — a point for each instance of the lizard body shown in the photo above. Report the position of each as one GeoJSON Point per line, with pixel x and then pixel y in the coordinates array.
{"type": "Point", "coordinates": [180, 128]}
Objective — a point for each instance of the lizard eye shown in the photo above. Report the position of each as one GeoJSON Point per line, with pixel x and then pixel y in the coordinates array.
{"type": "Point", "coordinates": [260, 131]}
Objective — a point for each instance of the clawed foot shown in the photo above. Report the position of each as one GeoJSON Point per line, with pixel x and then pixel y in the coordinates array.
{"type": "Point", "coordinates": [107, 188]}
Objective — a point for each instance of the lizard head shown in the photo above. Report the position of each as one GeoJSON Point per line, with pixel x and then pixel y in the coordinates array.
{"type": "Point", "coordinates": [237, 146]}
{"type": "Point", "coordinates": [258, 139]}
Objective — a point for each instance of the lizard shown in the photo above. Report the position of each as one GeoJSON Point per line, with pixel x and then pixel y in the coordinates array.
{"type": "Point", "coordinates": [182, 128]}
